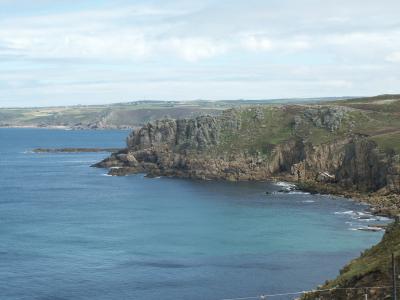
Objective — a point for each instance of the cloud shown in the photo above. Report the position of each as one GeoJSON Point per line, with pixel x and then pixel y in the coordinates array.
{"type": "Point", "coordinates": [393, 57]}
{"type": "Point", "coordinates": [194, 49]}
{"type": "Point", "coordinates": [257, 43]}
{"type": "Point", "coordinates": [98, 34]}
{"type": "Point", "coordinates": [140, 32]}
{"type": "Point", "coordinates": [261, 42]}
{"type": "Point", "coordinates": [210, 48]}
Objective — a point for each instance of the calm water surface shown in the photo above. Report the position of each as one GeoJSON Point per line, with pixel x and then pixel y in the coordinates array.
{"type": "Point", "coordinates": [67, 231]}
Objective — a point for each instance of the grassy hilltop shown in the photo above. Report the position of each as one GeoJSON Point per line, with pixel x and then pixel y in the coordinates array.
{"type": "Point", "coordinates": [263, 127]}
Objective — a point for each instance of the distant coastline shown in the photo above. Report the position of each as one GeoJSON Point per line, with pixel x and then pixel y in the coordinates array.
{"type": "Point", "coordinates": [62, 127]}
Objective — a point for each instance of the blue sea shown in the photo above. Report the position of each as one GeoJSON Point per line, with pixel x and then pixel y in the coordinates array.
{"type": "Point", "coordinates": [70, 232]}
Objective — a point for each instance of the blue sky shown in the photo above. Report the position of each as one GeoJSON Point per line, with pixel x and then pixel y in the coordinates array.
{"type": "Point", "coordinates": [89, 52]}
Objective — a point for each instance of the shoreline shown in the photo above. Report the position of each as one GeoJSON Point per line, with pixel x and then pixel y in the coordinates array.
{"type": "Point", "coordinates": [379, 205]}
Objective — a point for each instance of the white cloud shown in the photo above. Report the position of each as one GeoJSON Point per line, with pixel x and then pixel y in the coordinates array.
{"type": "Point", "coordinates": [393, 57]}
{"type": "Point", "coordinates": [261, 42]}
{"type": "Point", "coordinates": [194, 49]}
{"type": "Point", "coordinates": [312, 49]}
{"type": "Point", "coordinates": [98, 35]}
{"type": "Point", "coordinates": [257, 43]}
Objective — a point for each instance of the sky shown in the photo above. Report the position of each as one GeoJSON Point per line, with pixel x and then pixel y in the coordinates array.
{"type": "Point", "coordinates": [91, 52]}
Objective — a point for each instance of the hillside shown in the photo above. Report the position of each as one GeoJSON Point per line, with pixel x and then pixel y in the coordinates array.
{"type": "Point", "coordinates": [372, 268]}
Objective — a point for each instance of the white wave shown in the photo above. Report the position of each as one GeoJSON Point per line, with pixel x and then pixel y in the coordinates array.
{"type": "Point", "coordinates": [358, 215]}
{"type": "Point", "coordinates": [348, 212]}
{"type": "Point", "coordinates": [285, 184]}
{"type": "Point", "coordinates": [299, 193]}
{"type": "Point", "coordinates": [368, 228]}
{"type": "Point", "coordinates": [308, 201]}
{"type": "Point", "coordinates": [105, 174]}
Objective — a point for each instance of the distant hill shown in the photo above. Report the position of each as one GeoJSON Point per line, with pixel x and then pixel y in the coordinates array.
{"type": "Point", "coordinates": [124, 115]}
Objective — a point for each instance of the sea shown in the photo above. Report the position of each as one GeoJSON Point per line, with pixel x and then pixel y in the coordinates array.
{"type": "Point", "coordinates": [69, 231]}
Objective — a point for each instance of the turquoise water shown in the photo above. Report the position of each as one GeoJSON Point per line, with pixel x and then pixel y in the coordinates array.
{"type": "Point", "coordinates": [70, 232]}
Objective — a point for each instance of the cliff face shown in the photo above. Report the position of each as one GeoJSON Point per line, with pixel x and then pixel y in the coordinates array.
{"type": "Point", "coordinates": [354, 163]}
{"type": "Point", "coordinates": [198, 134]}
{"type": "Point", "coordinates": [233, 146]}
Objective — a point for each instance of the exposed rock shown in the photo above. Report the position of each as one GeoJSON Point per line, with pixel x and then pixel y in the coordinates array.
{"type": "Point", "coordinates": [326, 117]}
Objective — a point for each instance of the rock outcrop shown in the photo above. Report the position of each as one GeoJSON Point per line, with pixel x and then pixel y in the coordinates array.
{"type": "Point", "coordinates": [326, 117]}
{"type": "Point", "coordinates": [354, 163]}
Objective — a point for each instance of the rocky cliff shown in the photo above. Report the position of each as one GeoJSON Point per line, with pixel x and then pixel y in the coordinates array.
{"type": "Point", "coordinates": [257, 143]}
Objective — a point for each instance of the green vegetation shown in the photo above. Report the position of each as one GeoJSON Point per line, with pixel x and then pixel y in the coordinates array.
{"type": "Point", "coordinates": [377, 117]}
{"type": "Point", "coordinates": [373, 260]}
{"type": "Point", "coordinates": [388, 142]}
{"type": "Point", "coordinates": [264, 126]}
{"type": "Point", "coordinates": [373, 268]}
{"type": "Point", "coordinates": [261, 128]}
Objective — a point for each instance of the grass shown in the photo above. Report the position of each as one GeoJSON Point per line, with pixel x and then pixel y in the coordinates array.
{"type": "Point", "coordinates": [262, 128]}
{"type": "Point", "coordinates": [388, 142]}
{"type": "Point", "coordinates": [276, 124]}
{"type": "Point", "coordinates": [373, 260]}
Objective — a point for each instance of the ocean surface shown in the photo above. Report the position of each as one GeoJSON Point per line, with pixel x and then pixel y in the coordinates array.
{"type": "Point", "coordinates": [69, 232]}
